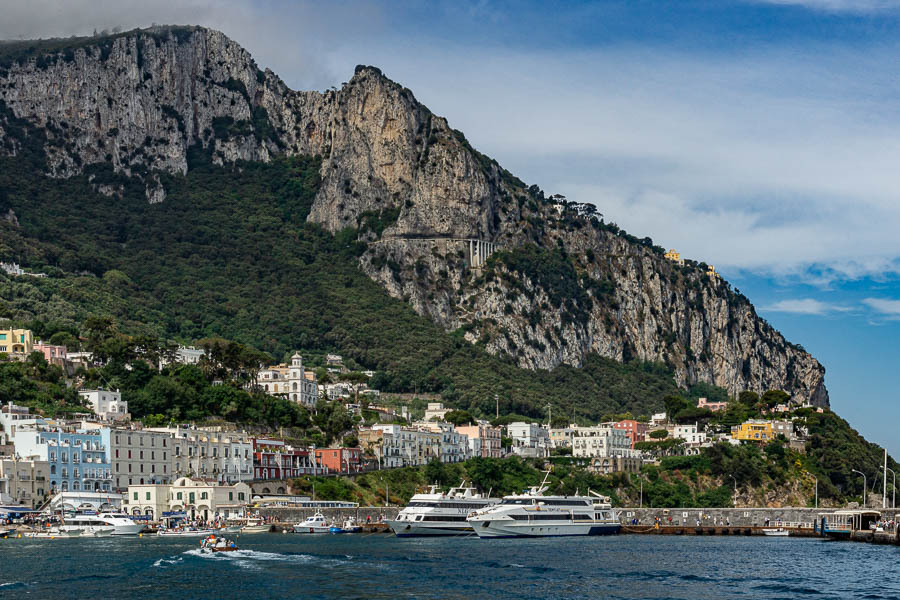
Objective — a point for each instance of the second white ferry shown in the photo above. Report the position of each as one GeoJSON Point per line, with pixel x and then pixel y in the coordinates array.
{"type": "Point", "coordinates": [532, 514]}
{"type": "Point", "coordinates": [437, 513]}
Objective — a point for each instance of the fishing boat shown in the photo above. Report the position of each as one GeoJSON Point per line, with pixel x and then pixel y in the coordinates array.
{"type": "Point", "coordinates": [313, 524]}
{"type": "Point", "coordinates": [436, 513]}
{"type": "Point", "coordinates": [349, 526]}
{"type": "Point", "coordinates": [178, 532]}
{"type": "Point", "coordinates": [532, 514]}
{"type": "Point", "coordinates": [776, 532]}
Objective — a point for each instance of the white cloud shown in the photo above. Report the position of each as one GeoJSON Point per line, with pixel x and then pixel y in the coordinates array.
{"type": "Point", "coordinates": [884, 306]}
{"type": "Point", "coordinates": [804, 306]}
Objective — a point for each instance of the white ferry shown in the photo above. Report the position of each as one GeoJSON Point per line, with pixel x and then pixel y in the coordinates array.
{"type": "Point", "coordinates": [101, 524]}
{"type": "Point", "coordinates": [436, 513]}
{"type": "Point", "coordinates": [532, 514]}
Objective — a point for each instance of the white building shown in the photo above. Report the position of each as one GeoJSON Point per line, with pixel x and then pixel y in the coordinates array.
{"type": "Point", "coordinates": [435, 411]}
{"type": "Point", "coordinates": [106, 404]}
{"type": "Point", "coordinates": [454, 446]}
{"type": "Point", "coordinates": [407, 446]}
{"type": "Point", "coordinates": [603, 441]}
{"type": "Point", "coordinates": [529, 439]}
{"type": "Point", "coordinates": [691, 434]}
{"type": "Point", "coordinates": [23, 481]}
{"type": "Point", "coordinates": [292, 382]}
{"type": "Point", "coordinates": [197, 498]}
{"type": "Point", "coordinates": [185, 355]}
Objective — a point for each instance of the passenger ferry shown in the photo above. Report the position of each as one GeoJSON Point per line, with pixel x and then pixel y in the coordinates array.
{"type": "Point", "coordinates": [532, 514]}
{"type": "Point", "coordinates": [436, 513]}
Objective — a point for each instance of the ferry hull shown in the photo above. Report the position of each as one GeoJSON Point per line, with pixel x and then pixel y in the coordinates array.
{"type": "Point", "coordinates": [509, 529]}
{"type": "Point", "coordinates": [434, 529]}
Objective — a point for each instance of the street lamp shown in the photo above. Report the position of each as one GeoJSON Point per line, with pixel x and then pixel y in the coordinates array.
{"type": "Point", "coordinates": [865, 484]}
{"type": "Point", "coordinates": [817, 489]}
{"type": "Point", "coordinates": [894, 495]}
{"type": "Point", "coordinates": [735, 491]}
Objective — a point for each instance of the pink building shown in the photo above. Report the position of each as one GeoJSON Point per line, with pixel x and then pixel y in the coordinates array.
{"type": "Point", "coordinates": [484, 440]}
{"type": "Point", "coordinates": [50, 352]}
{"type": "Point", "coordinates": [713, 406]}
{"type": "Point", "coordinates": [635, 430]}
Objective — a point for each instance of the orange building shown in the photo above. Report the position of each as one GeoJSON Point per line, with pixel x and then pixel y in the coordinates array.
{"type": "Point", "coordinates": [338, 460]}
{"type": "Point", "coordinates": [635, 430]}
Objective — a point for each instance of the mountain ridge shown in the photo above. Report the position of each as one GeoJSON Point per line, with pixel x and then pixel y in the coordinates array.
{"type": "Point", "coordinates": [561, 284]}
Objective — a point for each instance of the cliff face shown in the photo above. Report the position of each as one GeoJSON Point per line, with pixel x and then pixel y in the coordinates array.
{"type": "Point", "coordinates": [560, 283]}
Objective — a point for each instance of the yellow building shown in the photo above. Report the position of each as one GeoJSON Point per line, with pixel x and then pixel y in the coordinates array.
{"type": "Point", "coordinates": [753, 431]}
{"type": "Point", "coordinates": [16, 342]}
{"type": "Point", "coordinates": [711, 271]}
{"type": "Point", "coordinates": [674, 256]}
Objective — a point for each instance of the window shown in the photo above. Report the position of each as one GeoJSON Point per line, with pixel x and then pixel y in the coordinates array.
{"type": "Point", "coordinates": [53, 469]}
{"type": "Point", "coordinates": [135, 495]}
{"type": "Point", "coordinates": [178, 495]}
{"type": "Point", "coordinates": [148, 495]}
{"type": "Point", "coordinates": [204, 496]}
{"type": "Point", "coordinates": [191, 497]}
{"type": "Point", "coordinates": [231, 495]}
{"type": "Point", "coordinates": [129, 454]}
{"type": "Point", "coordinates": [240, 495]}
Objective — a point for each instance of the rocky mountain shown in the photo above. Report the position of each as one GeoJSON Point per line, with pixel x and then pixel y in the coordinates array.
{"type": "Point", "coordinates": [448, 229]}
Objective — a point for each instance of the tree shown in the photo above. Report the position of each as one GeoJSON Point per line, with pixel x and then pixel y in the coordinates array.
{"type": "Point", "coordinates": [674, 404]}
{"type": "Point", "coordinates": [773, 398]}
{"type": "Point", "coordinates": [659, 434]}
{"type": "Point", "coordinates": [459, 418]}
{"type": "Point", "coordinates": [748, 399]}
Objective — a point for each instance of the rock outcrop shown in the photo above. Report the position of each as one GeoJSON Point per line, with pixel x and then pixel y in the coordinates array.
{"type": "Point", "coordinates": [561, 282]}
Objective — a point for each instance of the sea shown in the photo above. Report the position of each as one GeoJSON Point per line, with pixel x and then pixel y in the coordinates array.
{"type": "Point", "coordinates": [381, 566]}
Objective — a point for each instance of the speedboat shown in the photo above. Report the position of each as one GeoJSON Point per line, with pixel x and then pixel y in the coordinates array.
{"type": "Point", "coordinates": [212, 544]}
{"type": "Point", "coordinates": [349, 526]}
{"type": "Point", "coordinates": [532, 514]}
{"type": "Point", "coordinates": [117, 524]}
{"type": "Point", "coordinates": [313, 524]}
{"type": "Point", "coordinates": [437, 513]}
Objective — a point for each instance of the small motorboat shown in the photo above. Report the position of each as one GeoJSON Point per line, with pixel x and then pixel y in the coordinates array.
{"type": "Point", "coordinates": [256, 526]}
{"type": "Point", "coordinates": [777, 532]}
{"type": "Point", "coordinates": [349, 526]}
{"type": "Point", "coordinates": [213, 544]}
{"type": "Point", "coordinates": [313, 524]}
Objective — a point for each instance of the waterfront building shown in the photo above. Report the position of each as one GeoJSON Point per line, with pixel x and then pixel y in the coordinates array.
{"type": "Point", "coordinates": [78, 461]}
{"type": "Point", "coordinates": [222, 456]}
{"type": "Point", "coordinates": [292, 382]}
{"type": "Point", "coordinates": [713, 406]}
{"type": "Point", "coordinates": [454, 446]}
{"type": "Point", "coordinates": [86, 500]}
{"type": "Point", "coordinates": [484, 439]}
{"type": "Point", "coordinates": [339, 460]}
{"type": "Point", "coordinates": [148, 500]}
{"type": "Point", "coordinates": [17, 343]}
{"type": "Point", "coordinates": [199, 498]}
{"type": "Point", "coordinates": [106, 404]}
{"type": "Point", "coordinates": [275, 459]}
{"type": "Point", "coordinates": [23, 481]}
{"type": "Point", "coordinates": [138, 456]}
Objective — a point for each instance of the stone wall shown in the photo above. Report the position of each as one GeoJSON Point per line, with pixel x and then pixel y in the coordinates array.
{"type": "Point", "coordinates": [295, 515]}
{"type": "Point", "coordinates": [737, 517]}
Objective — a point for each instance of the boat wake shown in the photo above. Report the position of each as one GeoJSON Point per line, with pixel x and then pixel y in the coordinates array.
{"type": "Point", "coordinates": [164, 562]}
{"type": "Point", "coordinates": [251, 559]}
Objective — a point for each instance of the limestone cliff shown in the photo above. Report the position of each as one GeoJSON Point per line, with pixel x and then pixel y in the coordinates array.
{"type": "Point", "coordinates": [449, 230]}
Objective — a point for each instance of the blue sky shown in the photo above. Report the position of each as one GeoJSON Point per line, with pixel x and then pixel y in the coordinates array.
{"type": "Point", "coordinates": [759, 136]}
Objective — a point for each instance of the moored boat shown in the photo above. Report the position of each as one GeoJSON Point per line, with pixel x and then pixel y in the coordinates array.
{"type": "Point", "coordinates": [434, 513]}
{"type": "Point", "coordinates": [313, 524]}
{"type": "Point", "coordinates": [532, 514]}
{"type": "Point", "coordinates": [776, 532]}
{"type": "Point", "coordinates": [256, 526]}
{"type": "Point", "coordinates": [110, 523]}
{"type": "Point", "coordinates": [349, 526]}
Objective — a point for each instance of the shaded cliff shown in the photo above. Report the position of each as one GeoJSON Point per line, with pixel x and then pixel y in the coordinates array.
{"type": "Point", "coordinates": [448, 230]}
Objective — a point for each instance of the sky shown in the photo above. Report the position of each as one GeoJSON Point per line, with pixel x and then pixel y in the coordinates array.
{"type": "Point", "coordinates": [761, 136]}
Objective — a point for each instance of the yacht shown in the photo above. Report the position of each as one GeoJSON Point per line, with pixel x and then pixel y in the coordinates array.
{"type": "Point", "coordinates": [436, 513]}
{"type": "Point", "coordinates": [101, 524]}
{"type": "Point", "coordinates": [313, 524]}
{"type": "Point", "coordinates": [532, 514]}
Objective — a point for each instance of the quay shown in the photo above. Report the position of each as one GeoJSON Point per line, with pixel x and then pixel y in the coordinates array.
{"type": "Point", "coordinates": [793, 529]}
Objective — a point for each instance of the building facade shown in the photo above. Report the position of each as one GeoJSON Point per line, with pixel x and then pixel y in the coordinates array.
{"type": "Point", "coordinates": [602, 442]}
{"type": "Point", "coordinates": [106, 404]}
{"type": "Point", "coordinates": [274, 459]}
{"type": "Point", "coordinates": [17, 343]}
{"type": "Point", "coordinates": [207, 499]}
{"type": "Point", "coordinates": [339, 460]}
{"type": "Point", "coordinates": [221, 456]}
{"type": "Point", "coordinates": [635, 430]}
{"type": "Point", "coordinates": [24, 481]}
{"type": "Point", "coordinates": [76, 461]}
{"type": "Point", "coordinates": [292, 382]}
{"type": "Point", "coordinates": [484, 440]}
{"type": "Point", "coordinates": [138, 456]}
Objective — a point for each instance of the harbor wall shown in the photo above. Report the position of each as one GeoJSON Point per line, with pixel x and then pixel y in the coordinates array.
{"type": "Point", "coordinates": [361, 514]}
{"type": "Point", "coordinates": [711, 517]}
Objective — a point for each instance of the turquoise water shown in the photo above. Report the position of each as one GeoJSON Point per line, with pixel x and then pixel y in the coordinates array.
{"type": "Point", "coordinates": [381, 566]}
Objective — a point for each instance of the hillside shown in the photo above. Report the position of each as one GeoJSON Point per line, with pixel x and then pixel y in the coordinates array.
{"type": "Point", "coordinates": [440, 227]}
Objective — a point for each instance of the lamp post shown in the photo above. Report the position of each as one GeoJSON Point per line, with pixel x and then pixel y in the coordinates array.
{"type": "Point", "coordinates": [894, 494]}
{"type": "Point", "coordinates": [817, 489]}
{"type": "Point", "coordinates": [734, 502]}
{"type": "Point", "coordinates": [641, 475]}
{"type": "Point", "coordinates": [865, 485]}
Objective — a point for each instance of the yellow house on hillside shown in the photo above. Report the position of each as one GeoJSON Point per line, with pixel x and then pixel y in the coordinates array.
{"type": "Point", "coordinates": [16, 342]}
{"type": "Point", "coordinates": [753, 431]}
{"type": "Point", "coordinates": [674, 256]}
